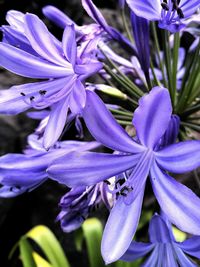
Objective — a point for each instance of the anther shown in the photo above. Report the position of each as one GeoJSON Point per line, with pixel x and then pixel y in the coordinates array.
{"type": "Point", "coordinates": [22, 94]}
{"type": "Point", "coordinates": [42, 92]}
{"type": "Point", "coordinates": [107, 182]}
{"type": "Point", "coordinates": [165, 6]}
{"type": "Point", "coordinates": [32, 98]}
{"type": "Point", "coordinates": [180, 13]}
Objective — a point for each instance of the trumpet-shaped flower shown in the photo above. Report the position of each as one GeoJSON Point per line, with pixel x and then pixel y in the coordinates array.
{"type": "Point", "coordinates": [21, 173]}
{"type": "Point", "coordinates": [36, 53]}
{"type": "Point", "coordinates": [134, 161]}
{"type": "Point", "coordinates": [77, 204]}
{"type": "Point", "coordinates": [163, 248]}
{"type": "Point", "coordinates": [169, 13]}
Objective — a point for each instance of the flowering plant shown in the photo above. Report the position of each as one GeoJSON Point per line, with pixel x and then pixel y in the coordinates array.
{"type": "Point", "coordinates": [149, 120]}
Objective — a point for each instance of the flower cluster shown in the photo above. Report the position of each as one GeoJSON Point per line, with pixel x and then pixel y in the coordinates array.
{"type": "Point", "coordinates": [149, 123]}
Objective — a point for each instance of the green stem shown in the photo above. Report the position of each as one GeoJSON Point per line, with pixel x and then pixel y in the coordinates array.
{"type": "Point", "coordinates": [158, 52]}
{"type": "Point", "coordinates": [126, 27]}
{"type": "Point", "coordinates": [175, 64]}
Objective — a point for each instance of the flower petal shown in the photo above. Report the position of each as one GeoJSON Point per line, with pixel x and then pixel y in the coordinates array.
{"type": "Point", "coordinates": [77, 98]}
{"type": "Point", "coordinates": [27, 65]}
{"type": "Point", "coordinates": [188, 7]}
{"type": "Point", "coordinates": [120, 228]}
{"type": "Point", "coordinates": [104, 127]}
{"type": "Point", "coordinates": [152, 117]}
{"type": "Point", "coordinates": [191, 246]}
{"type": "Point", "coordinates": [137, 250]}
{"type": "Point", "coordinates": [41, 40]}
{"type": "Point", "coordinates": [177, 201]}
{"type": "Point", "coordinates": [183, 260]}
{"type": "Point", "coordinates": [158, 230]}
{"type": "Point", "coordinates": [89, 168]}
{"type": "Point", "coordinates": [180, 157]}
{"type": "Point", "coordinates": [57, 16]}
{"type": "Point", "coordinates": [147, 9]}
{"type": "Point", "coordinates": [69, 44]}
{"type": "Point", "coordinates": [13, 102]}
{"type": "Point", "coordinates": [56, 123]}
{"type": "Point", "coordinates": [153, 258]}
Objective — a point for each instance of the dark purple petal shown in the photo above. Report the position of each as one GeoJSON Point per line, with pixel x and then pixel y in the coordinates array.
{"type": "Point", "coordinates": [69, 44]}
{"type": "Point", "coordinates": [27, 65]}
{"type": "Point", "coordinates": [89, 168]}
{"type": "Point", "coordinates": [137, 250]}
{"type": "Point", "coordinates": [191, 246]}
{"type": "Point", "coordinates": [147, 9]}
{"type": "Point", "coordinates": [141, 36]}
{"type": "Point", "coordinates": [104, 127]}
{"type": "Point", "coordinates": [57, 16]}
{"type": "Point", "coordinates": [158, 230]}
{"type": "Point", "coordinates": [169, 258]}
{"type": "Point", "coordinates": [120, 228]}
{"type": "Point", "coordinates": [153, 258]}
{"type": "Point", "coordinates": [180, 157]}
{"type": "Point", "coordinates": [56, 123]}
{"type": "Point", "coordinates": [177, 201]}
{"type": "Point", "coordinates": [152, 117]}
{"type": "Point", "coordinates": [41, 40]}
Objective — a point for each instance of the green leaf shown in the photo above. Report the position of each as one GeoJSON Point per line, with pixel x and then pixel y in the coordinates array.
{"type": "Point", "coordinates": [47, 241]}
{"type": "Point", "coordinates": [92, 230]}
{"type": "Point", "coordinates": [26, 253]}
{"type": "Point", "coordinates": [136, 263]}
{"type": "Point", "coordinates": [40, 262]}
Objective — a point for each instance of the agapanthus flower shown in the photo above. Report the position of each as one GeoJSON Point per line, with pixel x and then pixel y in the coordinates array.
{"type": "Point", "coordinates": [163, 249]}
{"type": "Point", "coordinates": [21, 173]}
{"type": "Point", "coordinates": [169, 13]}
{"type": "Point", "coordinates": [78, 203]}
{"type": "Point", "coordinates": [136, 159]}
{"type": "Point", "coordinates": [44, 57]}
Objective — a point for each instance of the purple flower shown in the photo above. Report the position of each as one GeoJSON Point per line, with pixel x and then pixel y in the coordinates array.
{"type": "Point", "coordinates": [169, 13]}
{"type": "Point", "coordinates": [163, 248]}
{"type": "Point", "coordinates": [21, 173]}
{"type": "Point", "coordinates": [77, 204]}
{"type": "Point", "coordinates": [136, 160]}
{"type": "Point", "coordinates": [45, 58]}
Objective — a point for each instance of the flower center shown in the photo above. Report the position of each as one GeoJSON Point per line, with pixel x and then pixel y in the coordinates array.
{"type": "Point", "coordinates": [169, 10]}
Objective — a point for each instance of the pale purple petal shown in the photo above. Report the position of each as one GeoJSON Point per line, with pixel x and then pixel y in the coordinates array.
{"type": "Point", "coordinates": [152, 117]}
{"type": "Point", "coordinates": [27, 65]}
{"type": "Point", "coordinates": [177, 201]}
{"type": "Point", "coordinates": [137, 250]}
{"type": "Point", "coordinates": [183, 260]}
{"type": "Point", "coordinates": [181, 157]}
{"type": "Point", "coordinates": [120, 228]}
{"type": "Point", "coordinates": [188, 7]}
{"type": "Point", "coordinates": [77, 98]}
{"type": "Point", "coordinates": [94, 13]}
{"type": "Point", "coordinates": [56, 123]}
{"type": "Point", "coordinates": [169, 259]}
{"type": "Point", "coordinates": [104, 127]}
{"type": "Point", "coordinates": [147, 9]}
{"type": "Point", "coordinates": [13, 102]}
{"type": "Point", "coordinates": [41, 40]}
{"type": "Point", "coordinates": [191, 246]}
{"type": "Point", "coordinates": [57, 16]}
{"type": "Point", "coordinates": [89, 168]}
{"type": "Point", "coordinates": [69, 44]}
